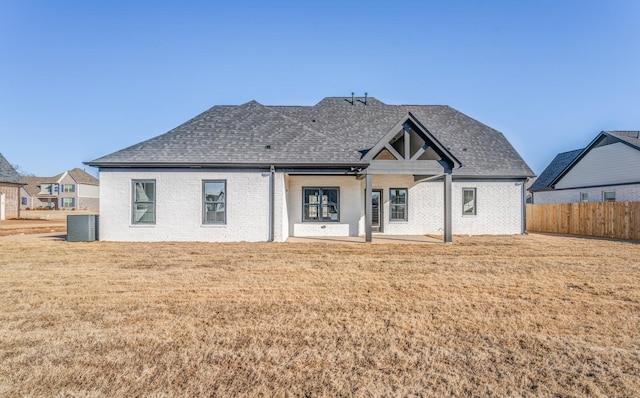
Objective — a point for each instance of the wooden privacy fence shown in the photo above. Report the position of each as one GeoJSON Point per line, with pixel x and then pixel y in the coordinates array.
{"type": "Point", "coordinates": [620, 220]}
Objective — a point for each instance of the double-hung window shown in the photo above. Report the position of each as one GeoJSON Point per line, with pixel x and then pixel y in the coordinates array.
{"type": "Point", "coordinates": [468, 201]}
{"type": "Point", "coordinates": [398, 204]}
{"type": "Point", "coordinates": [214, 199]}
{"type": "Point", "coordinates": [68, 187]}
{"type": "Point", "coordinates": [68, 202]}
{"type": "Point", "coordinates": [584, 196]}
{"type": "Point", "coordinates": [608, 196]}
{"type": "Point", "coordinates": [321, 204]}
{"type": "Point", "coordinates": [143, 202]}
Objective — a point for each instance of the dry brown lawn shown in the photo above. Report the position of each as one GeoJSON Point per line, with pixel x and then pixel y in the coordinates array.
{"type": "Point", "coordinates": [530, 315]}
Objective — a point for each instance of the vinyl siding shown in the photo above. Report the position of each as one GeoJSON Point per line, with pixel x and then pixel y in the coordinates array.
{"type": "Point", "coordinates": [88, 191]}
{"type": "Point", "coordinates": [607, 165]}
{"type": "Point", "coordinates": [624, 193]}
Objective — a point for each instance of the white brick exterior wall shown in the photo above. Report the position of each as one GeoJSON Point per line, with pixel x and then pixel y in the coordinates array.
{"type": "Point", "coordinates": [351, 204]}
{"type": "Point", "coordinates": [281, 215]}
{"type": "Point", "coordinates": [499, 206]}
{"type": "Point", "coordinates": [624, 193]}
{"type": "Point", "coordinates": [425, 206]}
{"type": "Point", "coordinates": [179, 206]}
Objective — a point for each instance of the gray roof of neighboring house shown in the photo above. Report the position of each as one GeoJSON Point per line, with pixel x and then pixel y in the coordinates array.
{"type": "Point", "coordinates": [8, 173]}
{"type": "Point", "coordinates": [332, 132]}
{"type": "Point", "coordinates": [82, 177]}
{"type": "Point", "coordinates": [630, 137]}
{"type": "Point", "coordinates": [553, 170]}
{"type": "Point", "coordinates": [32, 184]}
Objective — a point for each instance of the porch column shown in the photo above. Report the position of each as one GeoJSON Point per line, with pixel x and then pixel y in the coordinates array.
{"type": "Point", "coordinates": [447, 208]}
{"type": "Point", "coordinates": [368, 207]}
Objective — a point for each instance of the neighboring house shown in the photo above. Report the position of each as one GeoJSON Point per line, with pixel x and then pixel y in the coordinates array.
{"type": "Point", "coordinates": [606, 170]}
{"type": "Point", "coordinates": [72, 190]}
{"type": "Point", "coordinates": [344, 167]}
{"type": "Point", "coordinates": [529, 183]}
{"type": "Point", "coordinates": [10, 182]}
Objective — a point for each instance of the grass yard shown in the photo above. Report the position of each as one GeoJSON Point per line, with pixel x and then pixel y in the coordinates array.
{"type": "Point", "coordinates": [530, 315]}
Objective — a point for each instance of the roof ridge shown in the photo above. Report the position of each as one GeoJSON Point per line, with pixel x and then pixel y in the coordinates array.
{"type": "Point", "coordinates": [299, 123]}
{"type": "Point", "coordinates": [287, 117]}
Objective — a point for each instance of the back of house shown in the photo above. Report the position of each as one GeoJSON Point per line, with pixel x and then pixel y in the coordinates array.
{"type": "Point", "coordinates": [343, 167]}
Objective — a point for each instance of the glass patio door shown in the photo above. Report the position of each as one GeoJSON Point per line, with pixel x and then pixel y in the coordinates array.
{"type": "Point", "coordinates": [376, 213]}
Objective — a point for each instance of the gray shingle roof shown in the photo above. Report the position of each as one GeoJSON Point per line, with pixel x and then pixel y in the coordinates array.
{"type": "Point", "coordinates": [82, 177]}
{"type": "Point", "coordinates": [8, 173]}
{"type": "Point", "coordinates": [553, 170]}
{"type": "Point", "coordinates": [630, 137]}
{"type": "Point", "coordinates": [332, 132]}
{"type": "Point", "coordinates": [32, 184]}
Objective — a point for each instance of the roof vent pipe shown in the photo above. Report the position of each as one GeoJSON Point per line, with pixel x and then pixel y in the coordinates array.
{"type": "Point", "coordinates": [353, 98]}
{"type": "Point", "coordinates": [365, 98]}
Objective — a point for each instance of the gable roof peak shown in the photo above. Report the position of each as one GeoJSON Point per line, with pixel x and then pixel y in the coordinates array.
{"type": "Point", "coordinates": [409, 119]}
{"type": "Point", "coordinates": [630, 137]}
{"type": "Point", "coordinates": [251, 103]}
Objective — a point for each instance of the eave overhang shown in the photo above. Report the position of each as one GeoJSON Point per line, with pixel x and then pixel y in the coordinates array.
{"type": "Point", "coordinates": [217, 165]}
{"type": "Point", "coordinates": [419, 168]}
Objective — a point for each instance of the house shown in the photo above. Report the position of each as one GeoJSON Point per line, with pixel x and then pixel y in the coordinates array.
{"type": "Point", "coordinates": [10, 182]}
{"type": "Point", "coordinates": [605, 170]}
{"type": "Point", "coordinates": [71, 190]}
{"type": "Point", "coordinates": [343, 167]}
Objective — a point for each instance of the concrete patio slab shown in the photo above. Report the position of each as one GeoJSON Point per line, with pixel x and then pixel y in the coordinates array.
{"type": "Point", "coordinates": [377, 239]}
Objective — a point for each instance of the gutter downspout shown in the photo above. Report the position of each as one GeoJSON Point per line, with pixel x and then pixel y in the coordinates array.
{"type": "Point", "coordinates": [524, 208]}
{"type": "Point", "coordinates": [448, 223]}
{"type": "Point", "coordinates": [272, 197]}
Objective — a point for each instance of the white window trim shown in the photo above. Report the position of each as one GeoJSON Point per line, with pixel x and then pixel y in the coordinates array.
{"type": "Point", "coordinates": [585, 194]}
{"type": "Point", "coordinates": [610, 191]}
{"type": "Point", "coordinates": [204, 204]}
{"type": "Point", "coordinates": [133, 202]}
{"type": "Point", "coordinates": [475, 202]}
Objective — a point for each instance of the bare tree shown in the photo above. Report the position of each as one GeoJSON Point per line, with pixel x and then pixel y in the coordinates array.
{"type": "Point", "coordinates": [22, 171]}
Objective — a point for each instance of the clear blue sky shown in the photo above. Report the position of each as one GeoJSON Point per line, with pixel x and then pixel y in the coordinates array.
{"type": "Point", "coordinates": [81, 79]}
